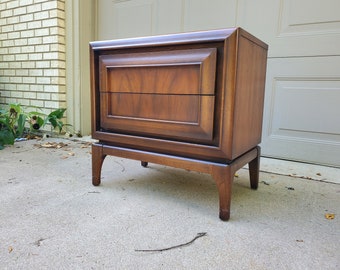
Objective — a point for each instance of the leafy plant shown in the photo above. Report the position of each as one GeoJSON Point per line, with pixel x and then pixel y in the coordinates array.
{"type": "Point", "coordinates": [55, 119]}
{"type": "Point", "coordinates": [17, 121]}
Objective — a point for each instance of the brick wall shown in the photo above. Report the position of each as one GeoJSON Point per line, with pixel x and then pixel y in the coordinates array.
{"type": "Point", "coordinates": [32, 53]}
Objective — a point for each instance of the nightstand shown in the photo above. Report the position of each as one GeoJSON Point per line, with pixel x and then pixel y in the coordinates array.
{"type": "Point", "coordinates": [189, 100]}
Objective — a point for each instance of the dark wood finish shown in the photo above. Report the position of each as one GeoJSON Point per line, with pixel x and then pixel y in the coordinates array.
{"type": "Point", "coordinates": [191, 100]}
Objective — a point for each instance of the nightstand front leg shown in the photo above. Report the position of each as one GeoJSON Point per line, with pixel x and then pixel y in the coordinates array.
{"type": "Point", "coordinates": [223, 176]}
{"type": "Point", "coordinates": [97, 162]}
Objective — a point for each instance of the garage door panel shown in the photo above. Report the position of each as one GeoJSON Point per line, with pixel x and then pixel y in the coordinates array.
{"type": "Point", "coordinates": [203, 15]}
{"type": "Point", "coordinates": [293, 28]}
{"type": "Point", "coordinates": [302, 112]}
{"type": "Point", "coordinates": [303, 106]}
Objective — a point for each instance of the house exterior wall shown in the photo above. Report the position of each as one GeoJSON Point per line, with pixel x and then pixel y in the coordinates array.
{"type": "Point", "coordinates": [32, 53]}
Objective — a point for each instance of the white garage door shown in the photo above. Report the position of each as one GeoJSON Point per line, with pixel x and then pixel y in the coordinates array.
{"type": "Point", "coordinates": [302, 105]}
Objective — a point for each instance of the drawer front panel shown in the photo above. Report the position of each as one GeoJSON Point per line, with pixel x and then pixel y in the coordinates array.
{"type": "Point", "coordinates": [188, 72]}
{"type": "Point", "coordinates": [164, 79]}
{"type": "Point", "coordinates": [175, 117]}
{"type": "Point", "coordinates": [174, 108]}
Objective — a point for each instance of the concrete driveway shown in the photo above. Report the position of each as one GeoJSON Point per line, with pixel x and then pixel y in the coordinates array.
{"type": "Point", "coordinates": [51, 217]}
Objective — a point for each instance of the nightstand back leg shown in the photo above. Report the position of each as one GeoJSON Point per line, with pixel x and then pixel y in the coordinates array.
{"type": "Point", "coordinates": [254, 170]}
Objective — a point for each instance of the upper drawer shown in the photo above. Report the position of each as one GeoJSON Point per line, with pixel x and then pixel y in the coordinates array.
{"type": "Point", "coordinates": [189, 72]}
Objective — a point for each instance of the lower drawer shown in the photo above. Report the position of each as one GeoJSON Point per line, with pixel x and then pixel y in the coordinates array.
{"type": "Point", "coordinates": [187, 118]}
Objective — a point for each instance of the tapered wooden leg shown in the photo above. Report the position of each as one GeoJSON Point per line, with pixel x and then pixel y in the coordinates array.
{"type": "Point", "coordinates": [254, 170]}
{"type": "Point", "coordinates": [97, 162]}
{"type": "Point", "coordinates": [224, 175]}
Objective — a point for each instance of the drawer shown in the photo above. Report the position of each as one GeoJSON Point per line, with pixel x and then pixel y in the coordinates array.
{"type": "Point", "coordinates": [183, 72]}
{"type": "Point", "coordinates": [187, 118]}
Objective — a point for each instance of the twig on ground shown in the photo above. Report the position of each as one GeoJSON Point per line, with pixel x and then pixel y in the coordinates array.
{"type": "Point", "coordinates": [177, 246]}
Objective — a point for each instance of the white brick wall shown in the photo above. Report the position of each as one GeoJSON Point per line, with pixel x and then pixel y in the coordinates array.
{"type": "Point", "coordinates": [32, 53]}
